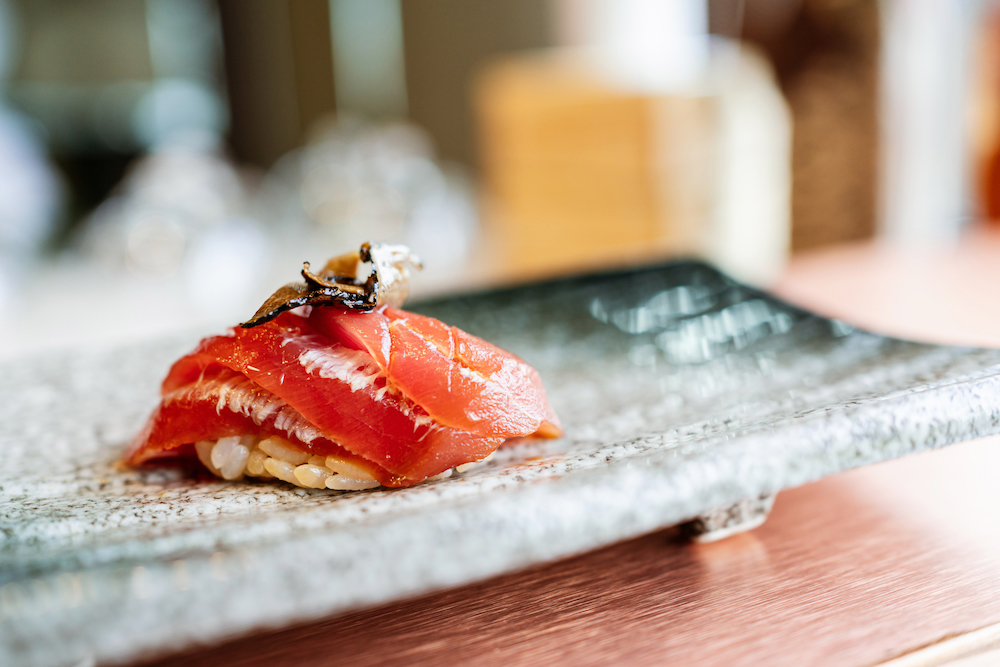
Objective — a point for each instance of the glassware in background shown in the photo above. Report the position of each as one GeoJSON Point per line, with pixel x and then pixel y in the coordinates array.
{"type": "Point", "coordinates": [640, 137]}
{"type": "Point", "coordinates": [30, 201]}
{"type": "Point", "coordinates": [108, 80]}
{"type": "Point", "coordinates": [111, 83]}
{"type": "Point", "coordinates": [356, 181]}
{"type": "Point", "coordinates": [31, 193]}
{"type": "Point", "coordinates": [175, 248]}
{"type": "Point", "coordinates": [183, 215]}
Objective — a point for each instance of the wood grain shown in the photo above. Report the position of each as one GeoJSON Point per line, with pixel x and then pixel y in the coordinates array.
{"type": "Point", "coordinates": [937, 292]}
{"type": "Point", "coordinates": [851, 570]}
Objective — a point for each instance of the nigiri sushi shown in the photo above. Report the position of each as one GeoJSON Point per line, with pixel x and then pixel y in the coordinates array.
{"type": "Point", "coordinates": [324, 390]}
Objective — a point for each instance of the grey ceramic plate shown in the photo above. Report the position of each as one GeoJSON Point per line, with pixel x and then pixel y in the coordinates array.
{"type": "Point", "coordinates": [682, 393]}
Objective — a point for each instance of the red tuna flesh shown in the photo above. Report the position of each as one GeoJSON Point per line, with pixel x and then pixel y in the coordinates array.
{"type": "Point", "coordinates": [404, 395]}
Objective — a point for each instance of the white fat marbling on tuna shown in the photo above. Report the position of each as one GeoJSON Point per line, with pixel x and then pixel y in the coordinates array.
{"type": "Point", "coordinates": [295, 425]}
{"type": "Point", "coordinates": [386, 343]}
{"type": "Point", "coordinates": [513, 373]}
{"type": "Point", "coordinates": [475, 376]}
{"type": "Point", "coordinates": [419, 420]}
{"type": "Point", "coordinates": [242, 396]}
{"type": "Point", "coordinates": [349, 366]}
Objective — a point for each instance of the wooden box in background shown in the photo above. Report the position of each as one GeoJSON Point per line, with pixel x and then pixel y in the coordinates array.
{"type": "Point", "coordinates": [580, 173]}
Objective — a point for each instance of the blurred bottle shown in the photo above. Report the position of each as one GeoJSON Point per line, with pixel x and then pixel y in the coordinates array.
{"type": "Point", "coordinates": [986, 116]}
{"type": "Point", "coordinates": [925, 76]}
{"type": "Point", "coordinates": [826, 56]}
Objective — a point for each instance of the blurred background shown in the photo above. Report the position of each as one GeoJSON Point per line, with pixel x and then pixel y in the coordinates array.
{"type": "Point", "coordinates": [164, 165]}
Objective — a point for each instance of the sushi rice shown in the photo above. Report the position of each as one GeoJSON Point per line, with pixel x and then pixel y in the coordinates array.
{"type": "Point", "coordinates": [234, 457]}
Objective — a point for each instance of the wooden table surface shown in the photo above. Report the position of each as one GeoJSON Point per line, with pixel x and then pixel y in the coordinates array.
{"type": "Point", "coordinates": [897, 562]}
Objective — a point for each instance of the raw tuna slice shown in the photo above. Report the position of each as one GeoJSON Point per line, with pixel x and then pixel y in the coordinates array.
{"type": "Point", "coordinates": [462, 380]}
{"type": "Point", "coordinates": [393, 397]}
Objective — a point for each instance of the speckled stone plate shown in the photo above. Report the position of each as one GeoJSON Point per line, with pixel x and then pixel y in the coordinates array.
{"type": "Point", "coordinates": [684, 395]}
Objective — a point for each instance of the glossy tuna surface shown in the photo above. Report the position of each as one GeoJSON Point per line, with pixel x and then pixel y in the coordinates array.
{"type": "Point", "coordinates": [402, 395]}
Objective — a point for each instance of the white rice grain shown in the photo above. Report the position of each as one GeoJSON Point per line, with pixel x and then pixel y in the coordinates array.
{"type": "Point", "coordinates": [348, 468]}
{"type": "Point", "coordinates": [312, 477]}
{"type": "Point", "coordinates": [255, 462]}
{"type": "Point", "coordinates": [282, 470]}
{"type": "Point", "coordinates": [281, 449]}
{"type": "Point", "coordinates": [204, 451]}
{"type": "Point", "coordinates": [472, 464]}
{"type": "Point", "coordinates": [235, 463]}
{"type": "Point", "coordinates": [443, 475]}
{"type": "Point", "coordinates": [275, 457]}
{"type": "Point", "coordinates": [344, 483]}
{"type": "Point", "coordinates": [220, 454]}
{"type": "Point", "coordinates": [229, 457]}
